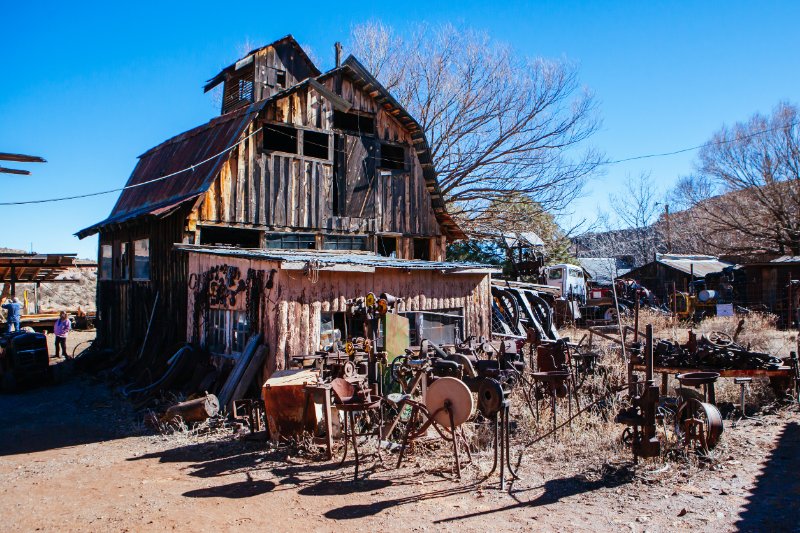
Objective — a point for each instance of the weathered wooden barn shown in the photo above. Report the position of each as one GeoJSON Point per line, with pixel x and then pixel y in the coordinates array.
{"type": "Point", "coordinates": [327, 164]}
{"type": "Point", "coordinates": [670, 271]}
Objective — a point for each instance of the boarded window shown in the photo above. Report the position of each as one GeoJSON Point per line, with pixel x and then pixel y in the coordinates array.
{"type": "Point", "coordinates": [141, 259]}
{"type": "Point", "coordinates": [387, 246]}
{"type": "Point", "coordinates": [345, 242]}
{"type": "Point", "coordinates": [422, 249]}
{"type": "Point", "coordinates": [106, 261]}
{"type": "Point", "coordinates": [280, 138]}
{"type": "Point", "coordinates": [315, 144]}
{"type": "Point", "coordinates": [291, 241]}
{"type": "Point", "coordinates": [353, 122]}
{"type": "Point", "coordinates": [393, 156]}
{"type": "Point", "coordinates": [123, 262]}
{"type": "Point", "coordinates": [243, 238]}
{"type": "Point", "coordinates": [238, 89]}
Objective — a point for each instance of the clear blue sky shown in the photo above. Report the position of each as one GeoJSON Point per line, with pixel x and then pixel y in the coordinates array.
{"type": "Point", "coordinates": [91, 86]}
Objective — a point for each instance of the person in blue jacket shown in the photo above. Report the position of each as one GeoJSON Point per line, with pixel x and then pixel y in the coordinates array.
{"type": "Point", "coordinates": [14, 310]}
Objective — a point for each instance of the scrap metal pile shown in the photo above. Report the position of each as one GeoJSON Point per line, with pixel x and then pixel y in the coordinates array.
{"type": "Point", "coordinates": [716, 351]}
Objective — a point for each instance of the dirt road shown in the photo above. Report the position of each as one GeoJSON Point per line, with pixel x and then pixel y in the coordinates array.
{"type": "Point", "coordinates": [73, 460]}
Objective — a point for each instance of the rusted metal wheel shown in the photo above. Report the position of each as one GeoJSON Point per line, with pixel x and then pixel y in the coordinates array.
{"type": "Point", "coordinates": [720, 338]}
{"type": "Point", "coordinates": [698, 424]}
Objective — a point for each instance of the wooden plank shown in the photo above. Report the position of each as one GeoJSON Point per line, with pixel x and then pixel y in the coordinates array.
{"type": "Point", "coordinates": [730, 373]}
{"type": "Point", "coordinates": [21, 158]}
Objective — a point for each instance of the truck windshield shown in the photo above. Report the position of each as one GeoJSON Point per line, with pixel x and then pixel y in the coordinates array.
{"type": "Point", "coordinates": [556, 274]}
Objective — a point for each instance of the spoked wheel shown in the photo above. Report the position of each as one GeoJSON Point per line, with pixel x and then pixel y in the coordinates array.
{"type": "Point", "coordinates": [698, 425]}
{"type": "Point", "coordinates": [720, 338]}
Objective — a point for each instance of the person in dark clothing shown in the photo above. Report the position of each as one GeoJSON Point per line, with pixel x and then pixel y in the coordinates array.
{"type": "Point", "coordinates": [14, 309]}
{"type": "Point", "coordinates": [61, 330]}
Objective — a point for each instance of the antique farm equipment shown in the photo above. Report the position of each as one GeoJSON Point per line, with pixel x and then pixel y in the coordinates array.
{"type": "Point", "coordinates": [642, 416]}
{"type": "Point", "coordinates": [493, 404]}
{"type": "Point", "coordinates": [349, 399]}
{"type": "Point", "coordinates": [698, 423]}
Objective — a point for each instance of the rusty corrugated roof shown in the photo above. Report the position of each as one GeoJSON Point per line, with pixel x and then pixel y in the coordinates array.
{"type": "Point", "coordinates": [182, 151]}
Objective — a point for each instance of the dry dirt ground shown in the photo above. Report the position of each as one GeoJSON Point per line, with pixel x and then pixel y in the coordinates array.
{"type": "Point", "coordinates": [73, 458]}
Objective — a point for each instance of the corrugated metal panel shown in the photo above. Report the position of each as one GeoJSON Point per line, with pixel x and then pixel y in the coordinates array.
{"type": "Point", "coordinates": [335, 258]}
{"type": "Point", "coordinates": [180, 152]}
{"type": "Point", "coordinates": [787, 259]}
{"type": "Point", "coordinates": [700, 265]}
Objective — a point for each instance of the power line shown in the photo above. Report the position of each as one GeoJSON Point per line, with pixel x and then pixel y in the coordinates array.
{"type": "Point", "coordinates": [192, 167]}
{"type": "Point", "coordinates": [148, 182]}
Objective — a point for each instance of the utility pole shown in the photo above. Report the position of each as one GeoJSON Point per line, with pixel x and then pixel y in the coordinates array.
{"type": "Point", "coordinates": [669, 236]}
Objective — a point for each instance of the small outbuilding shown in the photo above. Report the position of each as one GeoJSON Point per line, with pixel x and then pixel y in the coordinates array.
{"type": "Point", "coordinates": [768, 285]}
{"type": "Point", "coordinates": [670, 272]}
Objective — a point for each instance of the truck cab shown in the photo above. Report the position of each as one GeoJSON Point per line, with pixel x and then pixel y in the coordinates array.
{"type": "Point", "coordinates": [570, 279]}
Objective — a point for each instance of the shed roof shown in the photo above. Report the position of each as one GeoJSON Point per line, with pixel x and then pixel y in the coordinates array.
{"type": "Point", "coordinates": [787, 259]}
{"type": "Point", "coordinates": [32, 268]}
{"type": "Point", "coordinates": [144, 196]}
{"type": "Point", "coordinates": [700, 265]}
{"type": "Point", "coordinates": [336, 260]}
{"type": "Point", "coordinates": [604, 270]}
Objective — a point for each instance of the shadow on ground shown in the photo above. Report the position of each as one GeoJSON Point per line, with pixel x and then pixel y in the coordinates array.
{"type": "Point", "coordinates": [77, 411]}
{"type": "Point", "coordinates": [772, 503]}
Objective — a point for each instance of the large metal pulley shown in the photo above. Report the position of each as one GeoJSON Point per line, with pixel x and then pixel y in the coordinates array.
{"type": "Point", "coordinates": [448, 397]}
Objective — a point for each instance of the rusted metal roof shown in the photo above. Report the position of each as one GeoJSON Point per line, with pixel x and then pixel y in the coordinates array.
{"type": "Point", "coordinates": [182, 151]}
{"type": "Point", "coordinates": [327, 259]}
{"type": "Point", "coordinates": [700, 265]}
{"type": "Point", "coordinates": [32, 268]}
{"type": "Point", "coordinates": [787, 259]}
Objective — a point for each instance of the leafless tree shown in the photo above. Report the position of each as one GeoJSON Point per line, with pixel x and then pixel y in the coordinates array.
{"type": "Point", "coordinates": [499, 124]}
{"type": "Point", "coordinates": [747, 197]}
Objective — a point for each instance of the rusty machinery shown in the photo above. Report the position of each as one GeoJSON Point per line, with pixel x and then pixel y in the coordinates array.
{"type": "Point", "coordinates": [717, 350]}
{"type": "Point", "coordinates": [698, 422]}
{"type": "Point", "coordinates": [641, 417]}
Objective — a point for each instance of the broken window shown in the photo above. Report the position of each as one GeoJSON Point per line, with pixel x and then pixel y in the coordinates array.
{"type": "Point", "coordinates": [141, 259]}
{"type": "Point", "coordinates": [393, 156]}
{"type": "Point", "coordinates": [292, 241]}
{"type": "Point", "coordinates": [345, 242]}
{"type": "Point", "coordinates": [280, 78]}
{"type": "Point", "coordinates": [227, 331]}
{"type": "Point", "coordinates": [279, 138]}
{"type": "Point", "coordinates": [353, 122]}
{"type": "Point", "coordinates": [106, 261]}
{"type": "Point", "coordinates": [123, 262]}
{"type": "Point", "coordinates": [422, 249]}
{"type": "Point", "coordinates": [243, 238]}
{"type": "Point", "coordinates": [387, 246]}
{"type": "Point", "coordinates": [315, 144]}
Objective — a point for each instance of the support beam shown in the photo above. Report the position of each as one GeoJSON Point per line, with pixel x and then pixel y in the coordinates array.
{"type": "Point", "coordinates": [22, 158]}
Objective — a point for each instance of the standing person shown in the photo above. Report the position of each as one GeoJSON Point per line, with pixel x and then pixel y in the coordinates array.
{"type": "Point", "coordinates": [61, 330]}
{"type": "Point", "coordinates": [14, 310]}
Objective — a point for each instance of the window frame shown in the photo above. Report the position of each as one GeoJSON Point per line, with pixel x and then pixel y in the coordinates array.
{"type": "Point", "coordinates": [123, 262]}
{"type": "Point", "coordinates": [269, 238]}
{"type": "Point", "coordinates": [331, 239]}
{"type": "Point", "coordinates": [272, 130]}
{"type": "Point", "coordinates": [103, 265]}
{"type": "Point", "coordinates": [134, 269]}
{"type": "Point", "coordinates": [227, 332]}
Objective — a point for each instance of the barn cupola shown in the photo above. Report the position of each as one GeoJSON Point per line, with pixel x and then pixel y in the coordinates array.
{"type": "Point", "coordinates": [262, 73]}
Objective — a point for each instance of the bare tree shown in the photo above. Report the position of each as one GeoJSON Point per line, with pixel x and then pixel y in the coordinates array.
{"type": "Point", "coordinates": [747, 199]}
{"type": "Point", "coordinates": [498, 124]}
{"type": "Point", "coordinates": [637, 210]}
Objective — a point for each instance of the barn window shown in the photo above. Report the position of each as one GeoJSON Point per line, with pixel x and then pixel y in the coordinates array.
{"type": "Point", "coordinates": [141, 259]}
{"type": "Point", "coordinates": [238, 89]}
{"type": "Point", "coordinates": [280, 78]}
{"type": "Point", "coordinates": [280, 138]}
{"type": "Point", "coordinates": [123, 262]}
{"type": "Point", "coordinates": [227, 331]}
{"type": "Point", "coordinates": [106, 261]}
{"type": "Point", "coordinates": [315, 144]}
{"type": "Point", "coordinates": [345, 242]}
{"type": "Point", "coordinates": [444, 326]}
{"type": "Point", "coordinates": [243, 238]}
{"type": "Point", "coordinates": [353, 122]}
{"type": "Point", "coordinates": [393, 156]}
{"type": "Point", "coordinates": [292, 241]}
{"type": "Point", "coordinates": [422, 249]}
{"type": "Point", "coordinates": [387, 246]}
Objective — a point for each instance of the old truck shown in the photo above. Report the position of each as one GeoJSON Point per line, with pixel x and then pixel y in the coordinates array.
{"type": "Point", "coordinates": [595, 302]}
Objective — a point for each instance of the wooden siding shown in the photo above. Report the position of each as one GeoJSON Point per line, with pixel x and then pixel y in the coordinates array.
{"type": "Point", "coordinates": [290, 321]}
{"type": "Point", "coordinates": [124, 306]}
{"type": "Point", "coordinates": [281, 191]}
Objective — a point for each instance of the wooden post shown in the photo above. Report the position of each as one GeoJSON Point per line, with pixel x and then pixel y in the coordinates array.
{"type": "Point", "coordinates": [13, 281]}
